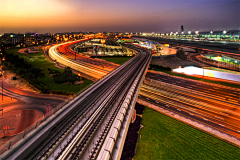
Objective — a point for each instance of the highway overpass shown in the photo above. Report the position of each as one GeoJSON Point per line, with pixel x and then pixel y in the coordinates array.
{"type": "Point", "coordinates": [94, 125]}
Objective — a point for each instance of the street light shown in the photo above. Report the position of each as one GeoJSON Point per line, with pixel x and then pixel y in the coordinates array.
{"type": "Point", "coordinates": [3, 59]}
{"type": "Point", "coordinates": [1, 72]}
{"type": "Point", "coordinates": [218, 59]}
{"type": "Point", "coordinates": [75, 55]}
{"type": "Point", "coordinates": [103, 41]}
{"type": "Point", "coordinates": [80, 81]}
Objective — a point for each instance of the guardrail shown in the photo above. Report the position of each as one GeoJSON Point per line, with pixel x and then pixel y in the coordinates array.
{"type": "Point", "coordinates": [113, 145]}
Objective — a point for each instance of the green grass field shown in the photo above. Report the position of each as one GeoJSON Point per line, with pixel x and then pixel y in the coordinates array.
{"type": "Point", "coordinates": [117, 60]}
{"type": "Point", "coordinates": [38, 60]}
{"type": "Point", "coordinates": [199, 79]}
{"type": "Point", "coordinates": [165, 138]}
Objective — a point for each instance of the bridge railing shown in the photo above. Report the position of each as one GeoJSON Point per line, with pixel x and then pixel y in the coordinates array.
{"type": "Point", "coordinates": [113, 144]}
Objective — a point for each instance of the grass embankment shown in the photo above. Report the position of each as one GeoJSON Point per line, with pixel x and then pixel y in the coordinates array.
{"type": "Point", "coordinates": [38, 60]}
{"type": "Point", "coordinates": [197, 78]}
{"type": "Point", "coordinates": [165, 138]}
{"type": "Point", "coordinates": [117, 60]}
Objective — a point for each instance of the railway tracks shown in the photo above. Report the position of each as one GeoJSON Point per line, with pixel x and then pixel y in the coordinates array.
{"type": "Point", "coordinates": [80, 128]}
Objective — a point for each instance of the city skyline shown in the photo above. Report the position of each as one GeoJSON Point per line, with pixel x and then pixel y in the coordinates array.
{"type": "Point", "coordinates": [118, 16]}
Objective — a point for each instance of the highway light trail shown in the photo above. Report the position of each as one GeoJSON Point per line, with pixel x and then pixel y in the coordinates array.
{"type": "Point", "coordinates": [208, 102]}
{"type": "Point", "coordinates": [195, 107]}
{"type": "Point", "coordinates": [213, 110]}
{"type": "Point", "coordinates": [97, 63]}
{"type": "Point", "coordinates": [73, 130]}
{"type": "Point", "coordinates": [88, 69]}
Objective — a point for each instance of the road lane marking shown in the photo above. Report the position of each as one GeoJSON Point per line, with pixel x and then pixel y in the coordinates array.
{"type": "Point", "coordinates": [219, 117]}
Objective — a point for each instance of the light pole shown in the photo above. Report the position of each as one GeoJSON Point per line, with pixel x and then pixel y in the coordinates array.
{"type": "Point", "coordinates": [2, 59]}
{"type": "Point", "coordinates": [103, 41]}
{"type": "Point", "coordinates": [1, 72]}
{"type": "Point", "coordinates": [218, 58]}
{"type": "Point", "coordinates": [80, 81]}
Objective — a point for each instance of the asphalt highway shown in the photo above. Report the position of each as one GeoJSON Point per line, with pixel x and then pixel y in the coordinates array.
{"type": "Point", "coordinates": [29, 100]}
{"type": "Point", "coordinates": [75, 125]}
{"type": "Point", "coordinates": [222, 93]}
{"type": "Point", "coordinates": [203, 102]}
{"type": "Point", "coordinates": [193, 116]}
{"type": "Point", "coordinates": [208, 108]}
{"type": "Point", "coordinates": [24, 100]}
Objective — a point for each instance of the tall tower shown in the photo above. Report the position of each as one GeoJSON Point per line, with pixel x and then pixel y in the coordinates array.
{"type": "Point", "coordinates": [182, 30]}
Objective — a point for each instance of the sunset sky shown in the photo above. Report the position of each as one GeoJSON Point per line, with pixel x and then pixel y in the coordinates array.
{"type": "Point", "coordinates": [41, 16]}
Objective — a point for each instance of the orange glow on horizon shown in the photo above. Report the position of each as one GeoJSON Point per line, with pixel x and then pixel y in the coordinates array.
{"type": "Point", "coordinates": [35, 14]}
{"type": "Point", "coordinates": [31, 13]}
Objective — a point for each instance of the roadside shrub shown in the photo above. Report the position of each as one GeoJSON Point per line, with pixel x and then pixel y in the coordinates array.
{"type": "Point", "coordinates": [71, 79]}
{"type": "Point", "coordinates": [139, 108]}
{"type": "Point", "coordinates": [65, 76]}
{"type": "Point", "coordinates": [153, 66]}
{"type": "Point", "coordinates": [131, 140]}
{"type": "Point", "coordinates": [59, 79]}
{"type": "Point", "coordinates": [22, 72]}
{"type": "Point", "coordinates": [132, 135]}
{"type": "Point", "coordinates": [51, 71]}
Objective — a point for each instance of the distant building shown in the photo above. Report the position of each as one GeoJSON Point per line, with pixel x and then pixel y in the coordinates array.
{"type": "Point", "coordinates": [233, 35]}
{"type": "Point", "coordinates": [9, 40]}
{"type": "Point", "coordinates": [182, 30]}
{"type": "Point", "coordinates": [30, 39]}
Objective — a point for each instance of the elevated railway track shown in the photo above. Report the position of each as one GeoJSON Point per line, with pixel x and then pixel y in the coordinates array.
{"type": "Point", "coordinates": [81, 128]}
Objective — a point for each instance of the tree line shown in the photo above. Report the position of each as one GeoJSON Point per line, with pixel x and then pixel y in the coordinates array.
{"type": "Point", "coordinates": [32, 74]}
{"type": "Point", "coordinates": [65, 76]}
{"type": "Point", "coordinates": [24, 69]}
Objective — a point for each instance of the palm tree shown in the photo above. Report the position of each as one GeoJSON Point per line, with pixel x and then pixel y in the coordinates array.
{"type": "Point", "coordinates": [37, 73]}
{"type": "Point", "coordinates": [67, 71]}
